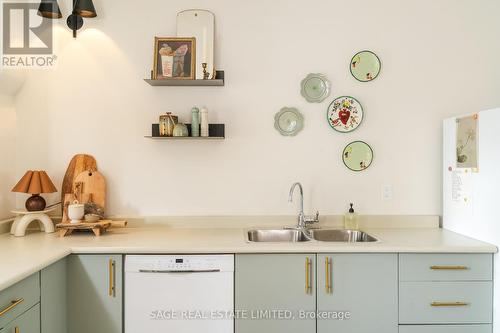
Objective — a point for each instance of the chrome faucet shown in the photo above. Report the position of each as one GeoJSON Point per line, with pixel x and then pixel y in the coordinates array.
{"type": "Point", "coordinates": [303, 220]}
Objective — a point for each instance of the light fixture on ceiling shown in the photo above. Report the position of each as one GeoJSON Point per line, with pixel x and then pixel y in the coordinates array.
{"type": "Point", "coordinates": [81, 9]}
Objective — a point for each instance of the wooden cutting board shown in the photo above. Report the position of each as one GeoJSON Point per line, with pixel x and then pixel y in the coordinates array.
{"type": "Point", "coordinates": [78, 164]}
{"type": "Point", "coordinates": [92, 183]}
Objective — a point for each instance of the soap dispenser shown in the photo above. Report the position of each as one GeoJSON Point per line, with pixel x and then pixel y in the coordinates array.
{"type": "Point", "coordinates": [351, 219]}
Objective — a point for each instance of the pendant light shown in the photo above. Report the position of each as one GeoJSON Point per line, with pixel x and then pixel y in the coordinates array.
{"type": "Point", "coordinates": [49, 9]}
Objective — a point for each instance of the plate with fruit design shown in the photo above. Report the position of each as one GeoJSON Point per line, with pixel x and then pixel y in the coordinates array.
{"type": "Point", "coordinates": [345, 114]}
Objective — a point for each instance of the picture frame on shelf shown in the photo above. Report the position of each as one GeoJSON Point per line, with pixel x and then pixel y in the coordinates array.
{"type": "Point", "coordinates": [174, 58]}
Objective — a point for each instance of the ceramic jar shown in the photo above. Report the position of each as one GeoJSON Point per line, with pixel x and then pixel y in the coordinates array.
{"type": "Point", "coordinates": [195, 122]}
{"type": "Point", "coordinates": [180, 130]}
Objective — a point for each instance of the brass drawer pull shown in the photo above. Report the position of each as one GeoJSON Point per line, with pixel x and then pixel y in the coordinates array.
{"type": "Point", "coordinates": [308, 276]}
{"type": "Point", "coordinates": [111, 278]}
{"type": "Point", "coordinates": [328, 276]}
{"type": "Point", "coordinates": [12, 305]}
{"type": "Point", "coordinates": [449, 268]}
{"type": "Point", "coordinates": [449, 304]}
{"type": "Point", "coordinates": [17, 330]}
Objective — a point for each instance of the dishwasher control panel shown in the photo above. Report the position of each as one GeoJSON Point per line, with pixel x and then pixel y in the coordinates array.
{"type": "Point", "coordinates": [180, 263]}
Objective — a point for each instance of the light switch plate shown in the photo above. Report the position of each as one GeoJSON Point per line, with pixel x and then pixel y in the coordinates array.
{"type": "Point", "coordinates": [387, 192]}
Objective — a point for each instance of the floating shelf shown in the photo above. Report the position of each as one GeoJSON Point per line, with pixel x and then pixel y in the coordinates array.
{"type": "Point", "coordinates": [217, 82]}
{"type": "Point", "coordinates": [215, 132]}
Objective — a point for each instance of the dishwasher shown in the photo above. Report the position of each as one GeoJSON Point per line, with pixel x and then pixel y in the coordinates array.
{"type": "Point", "coordinates": [179, 293]}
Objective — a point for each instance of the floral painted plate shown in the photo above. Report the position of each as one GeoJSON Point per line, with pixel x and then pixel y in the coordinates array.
{"type": "Point", "coordinates": [315, 88]}
{"type": "Point", "coordinates": [345, 114]}
{"type": "Point", "coordinates": [365, 66]}
{"type": "Point", "coordinates": [289, 121]}
{"type": "Point", "coordinates": [357, 156]}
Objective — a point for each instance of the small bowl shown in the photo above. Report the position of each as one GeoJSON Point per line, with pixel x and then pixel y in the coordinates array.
{"type": "Point", "coordinates": [92, 218]}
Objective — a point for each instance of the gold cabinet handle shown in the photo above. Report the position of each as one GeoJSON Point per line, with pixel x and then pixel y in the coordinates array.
{"type": "Point", "coordinates": [16, 330]}
{"type": "Point", "coordinates": [449, 268]}
{"type": "Point", "coordinates": [308, 276]}
{"type": "Point", "coordinates": [328, 276]}
{"type": "Point", "coordinates": [112, 292]}
{"type": "Point", "coordinates": [449, 304]}
{"type": "Point", "coordinates": [12, 305]}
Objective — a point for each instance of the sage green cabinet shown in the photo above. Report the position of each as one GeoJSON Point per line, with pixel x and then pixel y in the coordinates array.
{"type": "Point", "coordinates": [53, 298]}
{"type": "Point", "coordinates": [95, 290]}
{"type": "Point", "coordinates": [267, 282]}
{"type": "Point", "coordinates": [28, 322]}
{"type": "Point", "coordinates": [365, 285]}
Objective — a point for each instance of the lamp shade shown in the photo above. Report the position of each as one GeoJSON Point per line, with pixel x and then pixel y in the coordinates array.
{"type": "Point", "coordinates": [84, 8]}
{"type": "Point", "coordinates": [49, 9]}
{"type": "Point", "coordinates": [35, 182]}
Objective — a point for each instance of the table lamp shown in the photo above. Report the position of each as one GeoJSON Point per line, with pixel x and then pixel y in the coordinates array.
{"type": "Point", "coordinates": [35, 183]}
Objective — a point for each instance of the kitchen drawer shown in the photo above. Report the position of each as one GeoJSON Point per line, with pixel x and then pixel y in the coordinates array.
{"type": "Point", "coordinates": [28, 322]}
{"type": "Point", "coordinates": [416, 301]}
{"type": "Point", "coordinates": [445, 267]}
{"type": "Point", "coordinates": [445, 329]}
{"type": "Point", "coordinates": [19, 298]}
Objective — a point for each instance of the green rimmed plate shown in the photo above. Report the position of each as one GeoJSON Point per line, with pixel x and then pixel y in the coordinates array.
{"type": "Point", "coordinates": [288, 121]}
{"type": "Point", "coordinates": [315, 88]}
{"type": "Point", "coordinates": [365, 66]}
{"type": "Point", "coordinates": [357, 156]}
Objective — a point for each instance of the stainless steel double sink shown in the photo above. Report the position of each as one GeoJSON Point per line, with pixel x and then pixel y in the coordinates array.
{"type": "Point", "coordinates": [299, 235]}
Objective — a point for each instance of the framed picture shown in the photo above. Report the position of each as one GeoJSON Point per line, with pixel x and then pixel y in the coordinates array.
{"type": "Point", "coordinates": [174, 58]}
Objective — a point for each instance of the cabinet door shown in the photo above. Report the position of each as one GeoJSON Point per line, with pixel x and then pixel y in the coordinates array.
{"type": "Point", "coordinates": [268, 283]}
{"type": "Point", "coordinates": [28, 322]}
{"type": "Point", "coordinates": [53, 298]}
{"type": "Point", "coordinates": [363, 286]}
{"type": "Point", "coordinates": [95, 293]}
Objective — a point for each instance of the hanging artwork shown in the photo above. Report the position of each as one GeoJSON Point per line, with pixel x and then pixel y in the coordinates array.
{"type": "Point", "coordinates": [345, 114]}
{"type": "Point", "coordinates": [174, 58]}
{"type": "Point", "coordinates": [467, 144]}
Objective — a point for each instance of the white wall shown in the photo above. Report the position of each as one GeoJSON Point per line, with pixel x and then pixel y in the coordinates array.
{"type": "Point", "coordinates": [7, 153]}
{"type": "Point", "coordinates": [438, 60]}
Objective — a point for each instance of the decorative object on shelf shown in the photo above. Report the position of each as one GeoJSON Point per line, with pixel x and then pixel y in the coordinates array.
{"type": "Point", "coordinates": [215, 132]}
{"type": "Point", "coordinates": [315, 88]}
{"type": "Point", "coordinates": [217, 82]}
{"type": "Point", "coordinates": [167, 123]}
{"type": "Point", "coordinates": [200, 24]}
{"type": "Point", "coordinates": [174, 58]}
{"type": "Point", "coordinates": [35, 183]}
{"type": "Point", "coordinates": [357, 156]}
{"type": "Point", "coordinates": [204, 132]}
{"type": "Point", "coordinates": [180, 129]}
{"type": "Point", "coordinates": [206, 74]}
{"type": "Point", "coordinates": [97, 228]}
{"type": "Point", "coordinates": [76, 212]}
{"type": "Point", "coordinates": [78, 164]}
{"type": "Point", "coordinates": [288, 121]}
{"type": "Point", "coordinates": [345, 114]}
{"type": "Point", "coordinates": [365, 66]}
{"type": "Point", "coordinates": [81, 8]}
{"type": "Point", "coordinates": [24, 218]}
{"type": "Point", "coordinates": [91, 218]}
{"type": "Point", "coordinates": [195, 121]}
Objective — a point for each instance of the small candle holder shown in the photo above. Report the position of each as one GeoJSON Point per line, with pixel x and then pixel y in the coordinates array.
{"type": "Point", "coordinates": [205, 73]}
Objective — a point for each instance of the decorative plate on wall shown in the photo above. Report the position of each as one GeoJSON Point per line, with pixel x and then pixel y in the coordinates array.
{"type": "Point", "coordinates": [365, 66]}
{"type": "Point", "coordinates": [345, 114]}
{"type": "Point", "coordinates": [315, 88]}
{"type": "Point", "coordinates": [357, 156]}
{"type": "Point", "coordinates": [289, 121]}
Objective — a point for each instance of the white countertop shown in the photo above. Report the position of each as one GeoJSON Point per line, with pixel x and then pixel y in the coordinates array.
{"type": "Point", "coordinates": [23, 256]}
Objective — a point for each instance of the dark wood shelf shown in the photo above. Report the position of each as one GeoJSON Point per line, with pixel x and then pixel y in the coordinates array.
{"type": "Point", "coordinates": [215, 132]}
{"type": "Point", "coordinates": [217, 82]}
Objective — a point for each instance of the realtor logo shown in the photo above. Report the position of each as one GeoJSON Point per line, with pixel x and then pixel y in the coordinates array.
{"type": "Point", "coordinates": [27, 38]}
